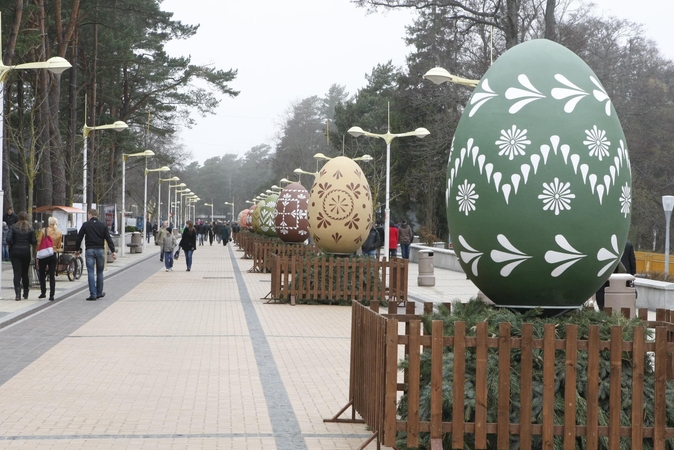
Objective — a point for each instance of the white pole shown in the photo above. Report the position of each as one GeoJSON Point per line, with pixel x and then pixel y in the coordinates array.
{"type": "Point", "coordinates": [159, 222]}
{"type": "Point", "coordinates": [2, 147]}
{"type": "Point", "coordinates": [145, 218]}
{"type": "Point", "coordinates": [387, 232]}
{"type": "Point", "coordinates": [668, 215]}
{"type": "Point", "coordinates": [122, 227]}
{"type": "Point", "coordinates": [84, 170]}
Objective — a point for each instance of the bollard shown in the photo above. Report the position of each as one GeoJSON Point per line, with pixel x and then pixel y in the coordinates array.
{"type": "Point", "coordinates": [426, 269]}
{"type": "Point", "coordinates": [621, 293]}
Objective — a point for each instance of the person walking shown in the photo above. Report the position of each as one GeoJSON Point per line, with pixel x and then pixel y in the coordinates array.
{"type": "Point", "coordinates": [372, 242]}
{"type": "Point", "coordinates": [211, 232]}
{"type": "Point", "coordinates": [160, 237]}
{"type": "Point", "coordinates": [10, 218]}
{"type": "Point", "coordinates": [217, 229]}
{"type": "Point", "coordinates": [95, 235]}
{"type": "Point", "coordinates": [225, 233]}
{"type": "Point", "coordinates": [188, 243]}
{"type": "Point", "coordinates": [382, 236]}
{"type": "Point", "coordinates": [392, 240]}
{"type": "Point", "coordinates": [200, 231]}
{"type": "Point", "coordinates": [168, 246]}
{"type": "Point", "coordinates": [405, 238]}
{"type": "Point", "coordinates": [148, 230]}
{"type": "Point", "coordinates": [48, 264]}
{"type": "Point", "coordinates": [20, 237]}
{"type": "Point", "coordinates": [5, 248]}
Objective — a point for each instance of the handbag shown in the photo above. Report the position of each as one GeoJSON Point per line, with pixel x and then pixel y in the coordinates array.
{"type": "Point", "coordinates": [46, 248]}
{"type": "Point", "coordinates": [177, 254]}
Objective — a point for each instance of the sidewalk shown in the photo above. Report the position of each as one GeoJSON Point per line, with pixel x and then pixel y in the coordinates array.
{"type": "Point", "coordinates": [11, 310]}
{"type": "Point", "coordinates": [182, 360]}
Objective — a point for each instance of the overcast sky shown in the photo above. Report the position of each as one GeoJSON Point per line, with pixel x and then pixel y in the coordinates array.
{"type": "Point", "coordinates": [288, 50]}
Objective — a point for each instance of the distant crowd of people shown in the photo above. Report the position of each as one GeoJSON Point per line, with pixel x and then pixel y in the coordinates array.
{"type": "Point", "coordinates": [193, 235]}
{"type": "Point", "coordinates": [398, 235]}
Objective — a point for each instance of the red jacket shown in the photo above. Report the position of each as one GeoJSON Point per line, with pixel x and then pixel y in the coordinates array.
{"type": "Point", "coordinates": [392, 238]}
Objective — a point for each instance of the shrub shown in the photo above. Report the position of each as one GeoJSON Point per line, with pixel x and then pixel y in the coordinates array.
{"type": "Point", "coordinates": [476, 311]}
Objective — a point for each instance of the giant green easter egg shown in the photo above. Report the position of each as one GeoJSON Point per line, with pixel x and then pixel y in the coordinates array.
{"type": "Point", "coordinates": [539, 180]}
{"type": "Point", "coordinates": [267, 213]}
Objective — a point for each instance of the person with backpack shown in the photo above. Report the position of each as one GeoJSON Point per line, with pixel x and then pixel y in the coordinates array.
{"type": "Point", "coordinates": [372, 242]}
{"type": "Point", "coordinates": [48, 264]}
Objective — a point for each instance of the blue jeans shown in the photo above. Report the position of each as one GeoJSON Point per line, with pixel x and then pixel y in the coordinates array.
{"type": "Point", "coordinates": [201, 239]}
{"type": "Point", "coordinates": [369, 253]}
{"type": "Point", "coordinates": [168, 259]}
{"type": "Point", "coordinates": [188, 258]}
{"type": "Point", "coordinates": [5, 252]}
{"type": "Point", "coordinates": [405, 250]}
{"type": "Point", "coordinates": [95, 256]}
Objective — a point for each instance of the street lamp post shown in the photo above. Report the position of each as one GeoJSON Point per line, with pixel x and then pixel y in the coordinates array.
{"type": "Point", "coordinates": [179, 205]}
{"type": "Point", "coordinates": [86, 129]}
{"type": "Point", "coordinates": [145, 217]}
{"type": "Point", "coordinates": [146, 154]}
{"type": "Point", "coordinates": [668, 206]}
{"type": "Point", "coordinates": [168, 213]}
{"type": "Point", "coordinates": [159, 197]}
{"type": "Point", "coordinates": [211, 205]}
{"type": "Point", "coordinates": [55, 65]}
{"type": "Point", "coordinates": [183, 192]}
{"type": "Point", "coordinates": [438, 75]}
{"type": "Point", "coordinates": [388, 137]}
{"type": "Point", "coordinates": [232, 205]}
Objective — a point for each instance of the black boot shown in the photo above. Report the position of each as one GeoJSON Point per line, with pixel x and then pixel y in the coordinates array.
{"type": "Point", "coordinates": [18, 293]}
{"type": "Point", "coordinates": [25, 292]}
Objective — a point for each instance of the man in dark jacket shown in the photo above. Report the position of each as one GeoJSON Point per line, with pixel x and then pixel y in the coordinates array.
{"type": "Point", "coordinates": [10, 217]}
{"type": "Point", "coordinates": [629, 260]}
{"type": "Point", "coordinates": [405, 238]}
{"type": "Point", "coordinates": [97, 234]}
{"type": "Point", "coordinates": [225, 233]}
{"type": "Point", "coordinates": [372, 242]}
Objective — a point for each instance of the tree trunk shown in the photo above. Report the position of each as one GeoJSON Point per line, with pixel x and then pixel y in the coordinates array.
{"type": "Point", "coordinates": [7, 59]}
{"type": "Point", "coordinates": [550, 21]}
{"type": "Point", "coordinates": [511, 23]}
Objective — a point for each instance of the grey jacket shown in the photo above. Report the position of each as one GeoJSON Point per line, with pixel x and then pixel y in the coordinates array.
{"type": "Point", "coordinates": [168, 243]}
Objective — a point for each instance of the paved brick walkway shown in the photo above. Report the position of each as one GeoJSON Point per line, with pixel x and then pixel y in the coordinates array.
{"type": "Point", "coordinates": [178, 360]}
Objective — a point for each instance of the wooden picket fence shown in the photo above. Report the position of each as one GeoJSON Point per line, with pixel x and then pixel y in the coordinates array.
{"type": "Point", "coordinates": [375, 382]}
{"type": "Point", "coordinates": [245, 240]}
{"type": "Point", "coordinates": [308, 277]}
{"type": "Point", "coordinates": [263, 249]}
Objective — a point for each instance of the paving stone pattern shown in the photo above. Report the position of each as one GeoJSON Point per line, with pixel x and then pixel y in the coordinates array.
{"type": "Point", "coordinates": [178, 360]}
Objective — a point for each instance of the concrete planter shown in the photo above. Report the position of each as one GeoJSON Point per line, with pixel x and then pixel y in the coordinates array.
{"type": "Point", "coordinates": [654, 294]}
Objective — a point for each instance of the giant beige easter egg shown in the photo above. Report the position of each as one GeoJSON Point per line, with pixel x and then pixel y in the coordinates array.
{"type": "Point", "coordinates": [340, 207]}
{"type": "Point", "coordinates": [539, 180]}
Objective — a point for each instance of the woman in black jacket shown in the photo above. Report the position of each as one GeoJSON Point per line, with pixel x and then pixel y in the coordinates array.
{"type": "Point", "coordinates": [188, 243]}
{"type": "Point", "coordinates": [20, 238]}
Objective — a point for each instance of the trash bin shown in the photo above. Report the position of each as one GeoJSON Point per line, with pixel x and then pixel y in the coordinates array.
{"type": "Point", "coordinates": [426, 270]}
{"type": "Point", "coordinates": [621, 293]}
{"type": "Point", "coordinates": [136, 242]}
